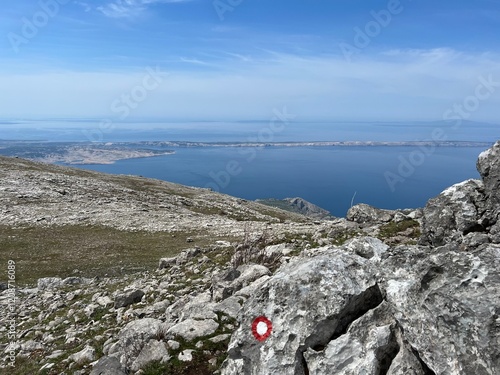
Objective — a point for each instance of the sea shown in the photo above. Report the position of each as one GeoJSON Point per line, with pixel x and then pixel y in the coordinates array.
{"type": "Point", "coordinates": [333, 178]}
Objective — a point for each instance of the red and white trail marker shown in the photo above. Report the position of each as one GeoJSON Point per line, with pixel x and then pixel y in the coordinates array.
{"type": "Point", "coordinates": [262, 328]}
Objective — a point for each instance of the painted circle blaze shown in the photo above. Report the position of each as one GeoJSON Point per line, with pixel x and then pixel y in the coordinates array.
{"type": "Point", "coordinates": [262, 328]}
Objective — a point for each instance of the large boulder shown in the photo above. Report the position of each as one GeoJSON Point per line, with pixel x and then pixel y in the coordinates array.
{"type": "Point", "coordinates": [488, 165]}
{"type": "Point", "coordinates": [405, 310]}
{"type": "Point", "coordinates": [191, 329]}
{"type": "Point", "coordinates": [454, 213]}
{"type": "Point", "coordinates": [128, 298]}
{"type": "Point", "coordinates": [133, 337]}
{"type": "Point", "coordinates": [108, 366]}
{"type": "Point", "coordinates": [447, 303]}
{"type": "Point", "coordinates": [309, 302]}
{"type": "Point", "coordinates": [471, 206]}
{"type": "Point", "coordinates": [153, 351]}
{"type": "Point", "coordinates": [236, 279]}
{"type": "Point", "coordinates": [364, 213]}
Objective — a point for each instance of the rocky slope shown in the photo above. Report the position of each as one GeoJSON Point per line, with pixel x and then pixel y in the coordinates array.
{"type": "Point", "coordinates": [298, 205]}
{"type": "Point", "coordinates": [367, 308]}
{"type": "Point", "coordinates": [381, 292]}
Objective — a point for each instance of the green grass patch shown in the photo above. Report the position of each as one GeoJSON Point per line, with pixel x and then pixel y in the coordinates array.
{"type": "Point", "coordinates": [393, 229]}
{"type": "Point", "coordinates": [343, 237]}
{"type": "Point", "coordinates": [93, 250]}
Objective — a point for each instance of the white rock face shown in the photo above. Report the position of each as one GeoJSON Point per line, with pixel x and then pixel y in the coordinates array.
{"type": "Point", "coordinates": [133, 336]}
{"type": "Point", "coordinates": [363, 213]}
{"type": "Point", "coordinates": [453, 213]}
{"type": "Point", "coordinates": [154, 350]}
{"type": "Point", "coordinates": [84, 356]}
{"type": "Point", "coordinates": [404, 311]}
{"type": "Point", "coordinates": [49, 283]}
{"type": "Point", "coordinates": [186, 355]}
{"type": "Point", "coordinates": [307, 302]}
{"type": "Point", "coordinates": [238, 279]}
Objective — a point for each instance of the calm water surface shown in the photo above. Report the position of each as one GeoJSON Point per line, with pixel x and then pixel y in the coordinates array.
{"type": "Point", "coordinates": [326, 176]}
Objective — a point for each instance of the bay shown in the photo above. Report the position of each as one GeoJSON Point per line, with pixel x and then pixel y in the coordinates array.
{"type": "Point", "coordinates": [327, 176]}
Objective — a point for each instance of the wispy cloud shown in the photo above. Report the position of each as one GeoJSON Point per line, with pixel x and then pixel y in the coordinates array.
{"type": "Point", "coordinates": [131, 8]}
{"type": "Point", "coordinates": [193, 61]}
{"type": "Point", "coordinates": [401, 85]}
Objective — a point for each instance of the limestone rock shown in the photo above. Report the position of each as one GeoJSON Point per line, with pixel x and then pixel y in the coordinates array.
{"type": "Point", "coordinates": [198, 310]}
{"type": "Point", "coordinates": [455, 212]}
{"type": "Point", "coordinates": [488, 165]}
{"type": "Point", "coordinates": [108, 366]}
{"type": "Point", "coordinates": [186, 255]}
{"type": "Point", "coordinates": [406, 311]}
{"type": "Point", "coordinates": [325, 292]}
{"type": "Point", "coordinates": [249, 290]}
{"type": "Point", "coordinates": [128, 298]}
{"type": "Point", "coordinates": [166, 263]}
{"type": "Point", "coordinates": [230, 306]}
{"type": "Point", "coordinates": [87, 354]}
{"type": "Point", "coordinates": [363, 213]}
{"type": "Point", "coordinates": [49, 283]}
{"type": "Point", "coordinates": [366, 247]}
{"type": "Point", "coordinates": [133, 337]}
{"type": "Point", "coordinates": [236, 279]}
{"type": "Point", "coordinates": [154, 350]}
{"type": "Point", "coordinates": [370, 346]}
{"type": "Point", "coordinates": [277, 250]}
{"type": "Point", "coordinates": [447, 303]}
{"type": "Point", "coordinates": [186, 355]}
{"type": "Point", "coordinates": [191, 329]}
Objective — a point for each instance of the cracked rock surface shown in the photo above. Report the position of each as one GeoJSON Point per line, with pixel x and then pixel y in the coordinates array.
{"type": "Point", "coordinates": [410, 311]}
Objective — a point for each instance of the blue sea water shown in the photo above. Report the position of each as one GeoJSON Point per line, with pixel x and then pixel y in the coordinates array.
{"type": "Point", "coordinates": [326, 176]}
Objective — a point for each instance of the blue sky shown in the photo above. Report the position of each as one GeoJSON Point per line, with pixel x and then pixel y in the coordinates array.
{"type": "Point", "coordinates": [217, 61]}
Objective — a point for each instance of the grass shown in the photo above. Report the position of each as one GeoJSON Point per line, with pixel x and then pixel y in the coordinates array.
{"type": "Point", "coordinates": [23, 366]}
{"type": "Point", "coordinates": [343, 237]}
{"type": "Point", "coordinates": [93, 250]}
{"type": "Point", "coordinates": [393, 229]}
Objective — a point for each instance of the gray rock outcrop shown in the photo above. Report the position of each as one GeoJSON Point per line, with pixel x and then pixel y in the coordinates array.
{"type": "Point", "coordinates": [364, 213]}
{"type": "Point", "coordinates": [407, 311]}
{"type": "Point", "coordinates": [128, 298]}
{"type": "Point", "coordinates": [108, 366]}
{"type": "Point", "coordinates": [298, 205]}
{"type": "Point", "coordinates": [467, 209]}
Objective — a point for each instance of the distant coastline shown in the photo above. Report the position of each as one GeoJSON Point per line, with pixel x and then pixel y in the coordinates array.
{"type": "Point", "coordinates": [86, 153]}
{"type": "Point", "coordinates": [315, 144]}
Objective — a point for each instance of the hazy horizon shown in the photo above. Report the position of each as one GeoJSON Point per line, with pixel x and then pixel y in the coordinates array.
{"type": "Point", "coordinates": [192, 60]}
{"type": "Point", "coordinates": [246, 131]}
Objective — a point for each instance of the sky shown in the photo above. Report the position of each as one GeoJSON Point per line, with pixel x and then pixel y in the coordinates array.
{"type": "Point", "coordinates": [241, 60]}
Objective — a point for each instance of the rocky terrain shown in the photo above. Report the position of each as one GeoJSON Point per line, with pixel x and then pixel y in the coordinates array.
{"type": "Point", "coordinates": [77, 153]}
{"type": "Point", "coordinates": [298, 205]}
{"type": "Point", "coordinates": [244, 288]}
